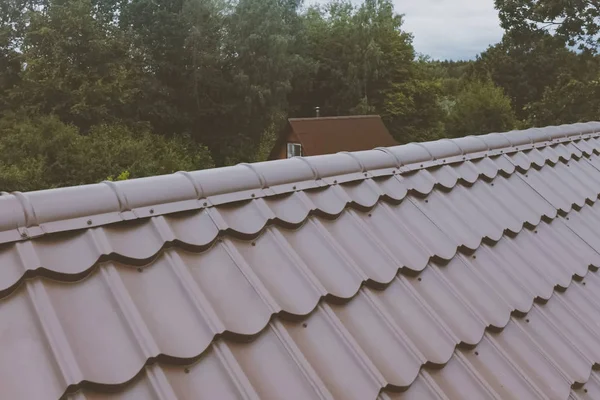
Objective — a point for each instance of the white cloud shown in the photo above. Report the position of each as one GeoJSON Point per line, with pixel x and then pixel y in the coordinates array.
{"type": "Point", "coordinates": [451, 29]}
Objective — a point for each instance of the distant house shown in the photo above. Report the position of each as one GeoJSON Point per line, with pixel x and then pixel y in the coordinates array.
{"type": "Point", "coordinates": [327, 135]}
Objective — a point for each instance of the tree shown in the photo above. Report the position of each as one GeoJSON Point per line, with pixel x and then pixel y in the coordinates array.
{"type": "Point", "coordinates": [525, 65]}
{"type": "Point", "coordinates": [570, 100]}
{"type": "Point", "coordinates": [480, 107]}
{"type": "Point", "coordinates": [412, 109]}
{"type": "Point", "coordinates": [42, 152]}
{"type": "Point", "coordinates": [77, 65]}
{"type": "Point", "coordinates": [576, 21]}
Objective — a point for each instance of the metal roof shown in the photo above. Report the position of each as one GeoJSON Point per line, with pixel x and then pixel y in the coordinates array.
{"type": "Point", "coordinates": [328, 135]}
{"type": "Point", "coordinates": [456, 269]}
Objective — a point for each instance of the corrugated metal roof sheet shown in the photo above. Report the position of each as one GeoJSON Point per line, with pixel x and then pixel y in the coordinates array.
{"type": "Point", "coordinates": [462, 269]}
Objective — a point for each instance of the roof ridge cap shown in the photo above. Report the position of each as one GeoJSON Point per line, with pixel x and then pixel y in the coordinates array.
{"type": "Point", "coordinates": [36, 213]}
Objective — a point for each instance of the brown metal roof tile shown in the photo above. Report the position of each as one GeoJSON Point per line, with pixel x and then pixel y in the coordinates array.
{"type": "Point", "coordinates": [495, 368]}
{"type": "Point", "coordinates": [335, 356]}
{"type": "Point", "coordinates": [349, 286]}
{"type": "Point", "coordinates": [393, 354]}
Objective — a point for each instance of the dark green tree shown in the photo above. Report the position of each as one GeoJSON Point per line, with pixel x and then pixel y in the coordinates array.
{"type": "Point", "coordinates": [480, 107]}
{"type": "Point", "coordinates": [577, 22]}
{"type": "Point", "coordinates": [43, 152]}
{"type": "Point", "coordinates": [76, 65]}
{"type": "Point", "coordinates": [525, 65]}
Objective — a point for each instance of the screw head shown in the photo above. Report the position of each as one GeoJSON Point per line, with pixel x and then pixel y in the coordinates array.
{"type": "Point", "coordinates": [140, 269]}
{"type": "Point", "coordinates": [89, 221]}
{"type": "Point", "coordinates": [151, 211]}
{"type": "Point", "coordinates": [252, 195]}
{"type": "Point", "coordinates": [187, 370]}
{"type": "Point", "coordinates": [419, 279]}
{"type": "Point", "coordinates": [304, 325]}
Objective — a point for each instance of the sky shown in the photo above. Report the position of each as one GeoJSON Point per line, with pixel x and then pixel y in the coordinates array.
{"type": "Point", "coordinates": [451, 29]}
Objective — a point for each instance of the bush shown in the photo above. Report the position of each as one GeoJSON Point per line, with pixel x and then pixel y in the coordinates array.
{"type": "Point", "coordinates": [480, 107]}
{"type": "Point", "coordinates": [42, 152]}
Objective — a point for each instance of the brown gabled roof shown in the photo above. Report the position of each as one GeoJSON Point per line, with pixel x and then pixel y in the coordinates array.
{"type": "Point", "coordinates": [456, 269]}
{"type": "Point", "coordinates": [328, 135]}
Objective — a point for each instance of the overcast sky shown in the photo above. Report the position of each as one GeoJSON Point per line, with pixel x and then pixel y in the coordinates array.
{"type": "Point", "coordinates": [451, 29]}
{"type": "Point", "coordinates": [448, 29]}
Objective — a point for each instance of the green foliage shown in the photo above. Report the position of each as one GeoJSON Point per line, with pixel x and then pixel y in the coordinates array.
{"type": "Point", "coordinates": [97, 89]}
{"type": "Point", "coordinates": [576, 22]}
{"type": "Point", "coordinates": [123, 176]}
{"type": "Point", "coordinates": [524, 66]}
{"type": "Point", "coordinates": [481, 107]}
{"type": "Point", "coordinates": [570, 100]}
{"type": "Point", "coordinates": [76, 65]}
{"type": "Point", "coordinates": [42, 152]}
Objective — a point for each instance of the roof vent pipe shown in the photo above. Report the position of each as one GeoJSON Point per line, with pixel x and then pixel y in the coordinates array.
{"type": "Point", "coordinates": [318, 111]}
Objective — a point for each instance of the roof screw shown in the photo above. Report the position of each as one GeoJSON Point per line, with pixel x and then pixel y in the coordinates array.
{"type": "Point", "coordinates": [89, 221]}
{"type": "Point", "coordinates": [583, 283]}
{"type": "Point", "coordinates": [421, 165]}
{"type": "Point", "coordinates": [426, 201]}
{"type": "Point", "coordinates": [419, 279]}
{"type": "Point", "coordinates": [366, 174]}
{"type": "Point", "coordinates": [527, 320]}
{"type": "Point", "coordinates": [584, 390]}
{"type": "Point", "coordinates": [476, 353]}
{"type": "Point", "coordinates": [187, 370]}
{"type": "Point", "coordinates": [151, 211]}
{"type": "Point", "coordinates": [252, 195]}
{"type": "Point", "coordinates": [567, 218]}
{"type": "Point", "coordinates": [294, 188]}
{"type": "Point", "coordinates": [253, 243]}
{"type": "Point", "coordinates": [492, 184]}
{"type": "Point", "coordinates": [304, 325]}
{"type": "Point", "coordinates": [335, 182]}
{"type": "Point", "coordinates": [140, 269]}
{"type": "Point", "coordinates": [204, 204]}
{"type": "Point", "coordinates": [526, 176]}
{"type": "Point", "coordinates": [474, 256]}
{"type": "Point", "coordinates": [464, 158]}
{"type": "Point", "coordinates": [23, 234]}
{"type": "Point", "coordinates": [369, 214]}
{"type": "Point", "coordinates": [534, 231]}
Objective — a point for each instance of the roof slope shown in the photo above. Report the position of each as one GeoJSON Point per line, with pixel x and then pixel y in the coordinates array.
{"type": "Point", "coordinates": [454, 269]}
{"type": "Point", "coordinates": [328, 135]}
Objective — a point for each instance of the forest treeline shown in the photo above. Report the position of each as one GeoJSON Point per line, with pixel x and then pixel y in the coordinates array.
{"type": "Point", "coordinates": [113, 89]}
